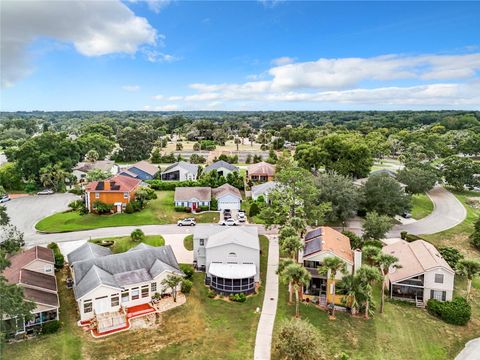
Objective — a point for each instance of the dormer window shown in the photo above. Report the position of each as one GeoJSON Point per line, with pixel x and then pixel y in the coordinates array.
{"type": "Point", "coordinates": [439, 278]}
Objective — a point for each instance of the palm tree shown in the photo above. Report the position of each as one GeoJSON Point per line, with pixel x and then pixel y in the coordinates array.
{"type": "Point", "coordinates": [297, 276]}
{"type": "Point", "coordinates": [251, 138]}
{"type": "Point", "coordinates": [281, 267]}
{"type": "Point", "coordinates": [370, 252]}
{"type": "Point", "coordinates": [353, 290]}
{"type": "Point", "coordinates": [468, 268]}
{"type": "Point", "coordinates": [291, 245]}
{"type": "Point", "coordinates": [172, 281]}
{"type": "Point", "coordinates": [332, 265]}
{"type": "Point", "coordinates": [237, 141]}
{"type": "Point", "coordinates": [384, 262]}
{"type": "Point", "coordinates": [367, 276]}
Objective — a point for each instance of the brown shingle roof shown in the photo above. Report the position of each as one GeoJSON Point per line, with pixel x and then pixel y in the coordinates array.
{"type": "Point", "coordinates": [145, 166]}
{"type": "Point", "coordinates": [18, 261]}
{"type": "Point", "coordinates": [226, 189]}
{"type": "Point", "coordinates": [37, 279]}
{"type": "Point", "coordinates": [188, 193]}
{"type": "Point", "coordinates": [121, 184]}
{"type": "Point", "coordinates": [261, 168]}
{"type": "Point", "coordinates": [41, 297]}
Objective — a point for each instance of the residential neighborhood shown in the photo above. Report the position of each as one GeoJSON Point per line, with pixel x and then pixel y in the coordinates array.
{"type": "Point", "coordinates": [267, 180]}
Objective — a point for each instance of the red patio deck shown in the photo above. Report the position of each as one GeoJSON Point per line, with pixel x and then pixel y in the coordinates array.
{"type": "Point", "coordinates": [139, 310]}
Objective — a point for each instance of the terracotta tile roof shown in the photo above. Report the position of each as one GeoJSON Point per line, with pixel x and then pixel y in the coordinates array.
{"type": "Point", "coordinates": [415, 258]}
{"type": "Point", "coordinates": [147, 167]}
{"type": "Point", "coordinates": [226, 189]}
{"type": "Point", "coordinates": [261, 168]}
{"type": "Point", "coordinates": [116, 183]}
{"type": "Point", "coordinates": [188, 193]}
{"type": "Point", "coordinates": [42, 297]}
{"type": "Point", "coordinates": [22, 259]}
{"type": "Point", "coordinates": [327, 239]}
{"type": "Point", "coordinates": [38, 279]}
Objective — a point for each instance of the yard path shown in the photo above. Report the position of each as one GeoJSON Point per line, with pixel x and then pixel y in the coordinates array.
{"type": "Point", "coordinates": [263, 341]}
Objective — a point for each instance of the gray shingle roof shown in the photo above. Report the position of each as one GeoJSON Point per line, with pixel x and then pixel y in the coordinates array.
{"type": "Point", "coordinates": [246, 236]}
{"type": "Point", "coordinates": [88, 251]}
{"type": "Point", "coordinates": [220, 164]}
{"type": "Point", "coordinates": [264, 188]}
{"type": "Point", "coordinates": [191, 168]}
{"type": "Point", "coordinates": [226, 189]}
{"type": "Point", "coordinates": [117, 270]}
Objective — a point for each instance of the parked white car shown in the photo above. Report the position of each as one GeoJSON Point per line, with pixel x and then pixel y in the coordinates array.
{"type": "Point", "coordinates": [242, 217]}
{"type": "Point", "coordinates": [187, 222]}
{"type": "Point", "coordinates": [4, 198]}
{"type": "Point", "coordinates": [228, 222]}
{"type": "Point", "coordinates": [45, 192]}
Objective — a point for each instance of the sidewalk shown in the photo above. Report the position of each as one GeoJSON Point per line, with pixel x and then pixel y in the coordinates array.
{"type": "Point", "coordinates": [263, 341]}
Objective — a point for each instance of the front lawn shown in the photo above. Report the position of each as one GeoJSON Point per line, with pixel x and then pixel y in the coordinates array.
{"type": "Point", "coordinates": [124, 243]}
{"type": "Point", "coordinates": [421, 206]}
{"type": "Point", "coordinates": [200, 329]}
{"type": "Point", "coordinates": [159, 211]}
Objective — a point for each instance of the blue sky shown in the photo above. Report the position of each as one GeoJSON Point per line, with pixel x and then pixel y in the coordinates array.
{"type": "Point", "coordinates": [174, 55]}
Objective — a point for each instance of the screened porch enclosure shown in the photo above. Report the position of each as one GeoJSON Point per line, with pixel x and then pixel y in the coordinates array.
{"type": "Point", "coordinates": [316, 287]}
{"type": "Point", "coordinates": [231, 286]}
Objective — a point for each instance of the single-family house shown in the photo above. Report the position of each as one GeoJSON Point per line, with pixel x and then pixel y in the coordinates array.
{"type": "Point", "coordinates": [260, 172]}
{"type": "Point", "coordinates": [223, 168]}
{"type": "Point", "coordinates": [142, 170]}
{"type": "Point", "coordinates": [180, 171]}
{"type": "Point", "coordinates": [228, 197]}
{"type": "Point", "coordinates": [424, 274]}
{"type": "Point", "coordinates": [319, 244]}
{"type": "Point", "coordinates": [107, 287]}
{"type": "Point", "coordinates": [193, 197]}
{"type": "Point", "coordinates": [263, 190]}
{"type": "Point", "coordinates": [118, 190]}
{"type": "Point", "coordinates": [33, 270]}
{"type": "Point", "coordinates": [382, 172]}
{"type": "Point", "coordinates": [82, 168]}
{"type": "Point", "coordinates": [229, 256]}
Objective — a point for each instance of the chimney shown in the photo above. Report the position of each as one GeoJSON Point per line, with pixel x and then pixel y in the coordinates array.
{"type": "Point", "coordinates": [357, 260]}
{"type": "Point", "coordinates": [106, 185]}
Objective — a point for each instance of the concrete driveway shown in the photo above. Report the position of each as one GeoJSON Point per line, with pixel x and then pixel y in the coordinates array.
{"type": "Point", "coordinates": [26, 211]}
{"type": "Point", "coordinates": [471, 351]}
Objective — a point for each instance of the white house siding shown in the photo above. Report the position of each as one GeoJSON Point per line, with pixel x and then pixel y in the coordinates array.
{"type": "Point", "coordinates": [430, 284]}
{"type": "Point", "coordinates": [224, 171]}
{"type": "Point", "coordinates": [183, 174]}
{"type": "Point", "coordinates": [190, 203]}
{"type": "Point", "coordinates": [229, 202]}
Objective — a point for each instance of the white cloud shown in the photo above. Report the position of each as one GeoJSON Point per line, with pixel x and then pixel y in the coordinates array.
{"type": "Point", "coordinates": [270, 3]}
{"type": "Point", "coordinates": [158, 97]}
{"type": "Point", "coordinates": [94, 28]}
{"type": "Point", "coordinates": [131, 88]}
{"type": "Point", "coordinates": [157, 56]}
{"type": "Point", "coordinates": [284, 60]}
{"type": "Point", "coordinates": [158, 5]}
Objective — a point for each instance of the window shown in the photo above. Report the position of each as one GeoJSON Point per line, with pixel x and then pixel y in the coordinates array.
{"type": "Point", "coordinates": [135, 294]}
{"type": "Point", "coordinates": [97, 195]}
{"type": "Point", "coordinates": [439, 278]}
{"type": "Point", "coordinates": [115, 300]}
{"type": "Point", "coordinates": [153, 287]}
{"type": "Point", "coordinates": [87, 306]}
{"type": "Point", "coordinates": [125, 296]}
{"type": "Point", "coordinates": [125, 195]}
{"type": "Point", "coordinates": [144, 291]}
{"type": "Point", "coordinates": [202, 242]}
{"type": "Point", "coordinates": [438, 295]}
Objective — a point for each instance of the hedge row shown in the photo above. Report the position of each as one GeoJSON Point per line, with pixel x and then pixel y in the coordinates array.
{"type": "Point", "coordinates": [59, 259]}
{"type": "Point", "coordinates": [457, 311]}
{"type": "Point", "coordinates": [170, 185]}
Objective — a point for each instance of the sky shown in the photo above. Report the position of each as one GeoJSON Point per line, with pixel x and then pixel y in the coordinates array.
{"type": "Point", "coordinates": [161, 55]}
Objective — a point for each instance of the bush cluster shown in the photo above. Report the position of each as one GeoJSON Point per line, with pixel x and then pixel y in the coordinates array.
{"type": "Point", "coordinates": [211, 294]}
{"type": "Point", "coordinates": [457, 311]}
{"type": "Point", "coordinates": [59, 258]}
{"type": "Point", "coordinates": [101, 207]}
{"type": "Point", "coordinates": [186, 286]}
{"type": "Point", "coordinates": [238, 297]}
{"type": "Point", "coordinates": [187, 270]}
{"type": "Point", "coordinates": [50, 327]}
{"type": "Point", "coordinates": [170, 185]}
{"type": "Point", "coordinates": [183, 209]}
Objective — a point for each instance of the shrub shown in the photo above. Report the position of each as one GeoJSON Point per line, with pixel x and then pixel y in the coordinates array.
{"type": "Point", "coordinates": [129, 209]}
{"type": "Point", "coordinates": [411, 237]}
{"type": "Point", "coordinates": [211, 294]}
{"type": "Point", "coordinates": [76, 205]}
{"type": "Point", "coordinates": [376, 243]}
{"type": "Point", "coordinates": [356, 241]}
{"type": "Point", "coordinates": [204, 208]}
{"type": "Point", "coordinates": [457, 312]}
{"type": "Point", "coordinates": [101, 207]}
{"type": "Point", "coordinates": [403, 234]}
{"type": "Point", "coordinates": [214, 204]}
{"type": "Point", "coordinates": [207, 145]}
{"type": "Point", "coordinates": [254, 210]}
{"type": "Point", "coordinates": [186, 286]}
{"type": "Point", "coordinates": [475, 237]}
{"type": "Point", "coordinates": [196, 146]}
{"type": "Point", "coordinates": [451, 255]}
{"type": "Point", "coordinates": [50, 327]}
{"type": "Point", "coordinates": [170, 185]}
{"type": "Point", "coordinates": [238, 297]}
{"type": "Point", "coordinates": [76, 190]}
{"type": "Point", "coordinates": [137, 235]}
{"type": "Point", "coordinates": [187, 270]}
{"type": "Point", "coordinates": [58, 256]}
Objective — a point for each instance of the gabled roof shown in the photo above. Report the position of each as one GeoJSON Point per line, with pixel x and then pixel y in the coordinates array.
{"type": "Point", "coordinates": [220, 164]}
{"type": "Point", "coordinates": [104, 165]}
{"type": "Point", "coordinates": [22, 259]}
{"type": "Point", "coordinates": [415, 258]}
{"type": "Point", "coordinates": [326, 239]}
{"type": "Point", "coordinates": [117, 183]}
{"type": "Point", "coordinates": [145, 166]}
{"type": "Point", "coordinates": [88, 251]}
{"type": "Point", "coordinates": [128, 173]}
{"type": "Point", "coordinates": [189, 193]}
{"type": "Point", "coordinates": [261, 168]}
{"type": "Point", "coordinates": [226, 189]}
{"type": "Point", "coordinates": [246, 236]}
{"type": "Point", "coordinates": [141, 246]}
{"type": "Point", "coordinates": [41, 297]}
{"type": "Point", "coordinates": [38, 279]}
{"type": "Point", "coordinates": [264, 188]}
{"type": "Point", "coordinates": [117, 270]}
{"type": "Point", "coordinates": [191, 168]}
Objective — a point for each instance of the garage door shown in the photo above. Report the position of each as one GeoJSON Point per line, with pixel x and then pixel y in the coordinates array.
{"type": "Point", "coordinates": [232, 205]}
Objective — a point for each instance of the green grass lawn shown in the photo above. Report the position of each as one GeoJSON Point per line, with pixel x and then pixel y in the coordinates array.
{"type": "Point", "coordinates": [203, 328]}
{"type": "Point", "coordinates": [159, 211]}
{"type": "Point", "coordinates": [124, 243]}
{"type": "Point", "coordinates": [421, 206]}
{"type": "Point", "coordinates": [188, 242]}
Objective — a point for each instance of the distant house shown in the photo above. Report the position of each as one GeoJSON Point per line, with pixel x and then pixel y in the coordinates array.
{"type": "Point", "coordinates": [319, 244]}
{"type": "Point", "coordinates": [263, 190]}
{"type": "Point", "coordinates": [33, 270]}
{"type": "Point", "coordinates": [118, 190]}
{"type": "Point", "coordinates": [228, 197]}
{"type": "Point", "coordinates": [82, 168]}
{"type": "Point", "coordinates": [424, 273]}
{"type": "Point", "coordinates": [193, 197]}
{"type": "Point", "coordinates": [229, 256]}
{"type": "Point", "coordinates": [223, 168]}
{"type": "Point", "coordinates": [260, 172]}
{"type": "Point", "coordinates": [180, 171]}
{"type": "Point", "coordinates": [383, 172]}
{"type": "Point", "coordinates": [142, 170]}
{"type": "Point", "coordinates": [109, 287]}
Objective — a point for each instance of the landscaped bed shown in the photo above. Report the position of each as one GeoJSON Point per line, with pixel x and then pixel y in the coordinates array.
{"type": "Point", "coordinates": [158, 211]}
{"type": "Point", "coordinates": [200, 329]}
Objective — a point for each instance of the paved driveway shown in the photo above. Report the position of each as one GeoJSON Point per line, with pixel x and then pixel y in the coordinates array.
{"type": "Point", "coordinates": [471, 351]}
{"type": "Point", "coordinates": [26, 211]}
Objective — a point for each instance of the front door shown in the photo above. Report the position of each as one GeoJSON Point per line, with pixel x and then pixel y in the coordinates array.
{"type": "Point", "coordinates": [194, 206]}
{"type": "Point", "coordinates": [102, 305]}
